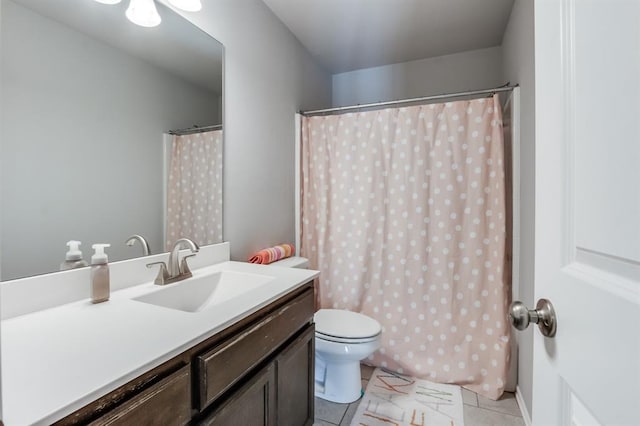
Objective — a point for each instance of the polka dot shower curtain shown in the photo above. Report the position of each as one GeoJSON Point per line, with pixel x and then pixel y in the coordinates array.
{"type": "Point", "coordinates": [403, 212]}
{"type": "Point", "coordinates": [194, 190]}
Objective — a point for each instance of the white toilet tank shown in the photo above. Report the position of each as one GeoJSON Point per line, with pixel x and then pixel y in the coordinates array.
{"type": "Point", "coordinates": [292, 262]}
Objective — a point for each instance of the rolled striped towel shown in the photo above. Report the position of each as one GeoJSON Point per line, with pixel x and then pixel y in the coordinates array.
{"type": "Point", "coordinates": [271, 254]}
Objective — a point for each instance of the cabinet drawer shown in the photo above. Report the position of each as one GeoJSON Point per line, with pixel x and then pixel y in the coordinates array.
{"type": "Point", "coordinates": [226, 364]}
{"type": "Point", "coordinates": [168, 402]}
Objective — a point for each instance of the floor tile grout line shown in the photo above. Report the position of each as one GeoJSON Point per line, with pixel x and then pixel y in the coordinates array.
{"type": "Point", "coordinates": [343, 414]}
{"type": "Point", "coordinates": [499, 412]}
{"type": "Point", "coordinates": [333, 406]}
{"type": "Point", "coordinates": [475, 397]}
{"type": "Point", "coordinates": [347, 410]}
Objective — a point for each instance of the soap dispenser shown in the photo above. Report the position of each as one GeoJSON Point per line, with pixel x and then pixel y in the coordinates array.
{"type": "Point", "coordinates": [74, 257]}
{"type": "Point", "coordinates": [99, 274]}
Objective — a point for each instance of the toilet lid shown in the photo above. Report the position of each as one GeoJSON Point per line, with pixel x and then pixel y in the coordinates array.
{"type": "Point", "coordinates": [345, 324]}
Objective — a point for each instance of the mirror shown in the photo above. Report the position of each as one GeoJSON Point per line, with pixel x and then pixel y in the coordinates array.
{"type": "Point", "coordinates": [87, 99]}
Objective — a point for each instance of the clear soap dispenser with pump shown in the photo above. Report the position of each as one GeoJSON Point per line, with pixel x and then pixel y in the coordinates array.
{"type": "Point", "coordinates": [74, 257]}
{"type": "Point", "coordinates": [100, 288]}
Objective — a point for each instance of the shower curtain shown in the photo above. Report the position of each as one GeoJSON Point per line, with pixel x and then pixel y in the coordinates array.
{"type": "Point", "coordinates": [194, 189]}
{"type": "Point", "coordinates": [403, 212]}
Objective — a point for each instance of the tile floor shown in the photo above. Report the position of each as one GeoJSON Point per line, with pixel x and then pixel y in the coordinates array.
{"type": "Point", "coordinates": [478, 410]}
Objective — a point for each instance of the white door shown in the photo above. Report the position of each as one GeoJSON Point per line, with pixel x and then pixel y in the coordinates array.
{"type": "Point", "coordinates": [587, 55]}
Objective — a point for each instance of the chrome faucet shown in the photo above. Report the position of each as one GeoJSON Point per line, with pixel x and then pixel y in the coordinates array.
{"type": "Point", "coordinates": [145, 245]}
{"type": "Point", "coordinates": [176, 271]}
{"type": "Point", "coordinates": [174, 267]}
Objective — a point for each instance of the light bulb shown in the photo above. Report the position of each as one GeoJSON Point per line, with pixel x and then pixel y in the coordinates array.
{"type": "Point", "coordinates": [187, 5]}
{"type": "Point", "coordinates": [143, 13]}
{"type": "Point", "coordinates": [109, 1]}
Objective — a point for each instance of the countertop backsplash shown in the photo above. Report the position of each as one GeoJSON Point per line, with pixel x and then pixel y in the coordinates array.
{"type": "Point", "coordinates": [26, 295]}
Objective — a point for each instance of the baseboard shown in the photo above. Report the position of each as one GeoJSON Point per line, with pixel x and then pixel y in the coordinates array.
{"type": "Point", "coordinates": [523, 407]}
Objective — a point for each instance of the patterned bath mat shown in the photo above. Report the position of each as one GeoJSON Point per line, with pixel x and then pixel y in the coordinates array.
{"type": "Point", "coordinates": [395, 400]}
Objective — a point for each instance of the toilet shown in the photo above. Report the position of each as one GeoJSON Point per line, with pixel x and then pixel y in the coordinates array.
{"type": "Point", "coordinates": [343, 339]}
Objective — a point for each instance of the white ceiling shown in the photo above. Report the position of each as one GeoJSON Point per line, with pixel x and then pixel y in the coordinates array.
{"type": "Point", "coordinates": [345, 35]}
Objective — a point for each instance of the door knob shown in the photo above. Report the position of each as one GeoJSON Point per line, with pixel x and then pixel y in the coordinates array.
{"type": "Point", "coordinates": [544, 315]}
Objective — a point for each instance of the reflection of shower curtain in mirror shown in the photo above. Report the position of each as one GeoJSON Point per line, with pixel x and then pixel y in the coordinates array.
{"type": "Point", "coordinates": [194, 195]}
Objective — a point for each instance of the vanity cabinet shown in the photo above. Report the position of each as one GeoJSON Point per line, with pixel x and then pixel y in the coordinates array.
{"type": "Point", "coordinates": [258, 371]}
{"type": "Point", "coordinates": [278, 394]}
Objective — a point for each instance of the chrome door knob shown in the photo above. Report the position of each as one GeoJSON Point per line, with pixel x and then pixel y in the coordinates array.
{"type": "Point", "coordinates": [544, 315]}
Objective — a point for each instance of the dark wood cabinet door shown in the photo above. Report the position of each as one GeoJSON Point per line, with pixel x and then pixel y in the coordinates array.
{"type": "Point", "coordinates": [251, 405]}
{"type": "Point", "coordinates": [295, 370]}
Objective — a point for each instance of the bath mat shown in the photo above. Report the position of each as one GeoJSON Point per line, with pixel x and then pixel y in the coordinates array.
{"type": "Point", "coordinates": [395, 400]}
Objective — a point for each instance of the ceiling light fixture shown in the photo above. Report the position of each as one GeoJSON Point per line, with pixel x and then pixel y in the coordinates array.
{"type": "Point", "coordinates": [187, 5]}
{"type": "Point", "coordinates": [143, 13]}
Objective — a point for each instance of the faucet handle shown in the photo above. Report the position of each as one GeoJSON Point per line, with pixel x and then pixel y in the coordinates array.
{"type": "Point", "coordinates": [184, 266]}
{"type": "Point", "coordinates": [163, 274]}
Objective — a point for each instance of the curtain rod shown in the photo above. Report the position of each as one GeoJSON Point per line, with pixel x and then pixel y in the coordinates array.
{"type": "Point", "coordinates": [507, 87]}
{"type": "Point", "coordinates": [194, 129]}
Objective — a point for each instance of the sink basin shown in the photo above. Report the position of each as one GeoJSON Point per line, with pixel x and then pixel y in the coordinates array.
{"type": "Point", "coordinates": [201, 292]}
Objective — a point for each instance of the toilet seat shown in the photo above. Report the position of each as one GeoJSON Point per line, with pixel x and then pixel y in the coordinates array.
{"type": "Point", "coordinates": [346, 340]}
{"type": "Point", "coordinates": [337, 325]}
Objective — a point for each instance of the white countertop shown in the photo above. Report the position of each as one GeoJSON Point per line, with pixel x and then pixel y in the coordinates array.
{"type": "Point", "coordinates": [58, 360]}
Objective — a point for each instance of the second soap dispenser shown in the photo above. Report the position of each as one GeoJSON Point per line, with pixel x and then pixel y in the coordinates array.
{"type": "Point", "coordinates": [100, 287]}
{"type": "Point", "coordinates": [74, 257]}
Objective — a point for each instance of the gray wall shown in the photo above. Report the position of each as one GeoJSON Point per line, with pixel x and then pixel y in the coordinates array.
{"type": "Point", "coordinates": [475, 69]}
{"type": "Point", "coordinates": [80, 158]}
{"type": "Point", "coordinates": [518, 55]}
{"type": "Point", "coordinates": [268, 77]}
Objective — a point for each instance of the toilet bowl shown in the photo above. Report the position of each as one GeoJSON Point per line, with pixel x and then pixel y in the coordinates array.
{"type": "Point", "coordinates": [343, 339]}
